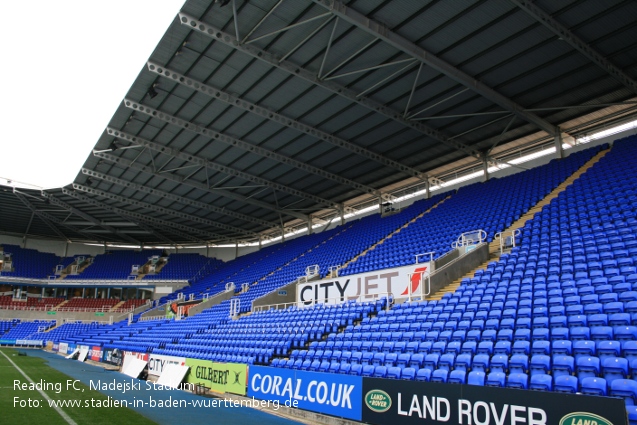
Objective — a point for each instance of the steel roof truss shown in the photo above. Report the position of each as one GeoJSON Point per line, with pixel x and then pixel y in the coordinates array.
{"type": "Point", "coordinates": [274, 60]}
{"type": "Point", "coordinates": [140, 218]}
{"type": "Point", "coordinates": [125, 163]}
{"type": "Point", "coordinates": [86, 216]}
{"type": "Point", "coordinates": [580, 45]}
{"type": "Point", "coordinates": [162, 194]}
{"type": "Point", "coordinates": [249, 147]}
{"type": "Point", "coordinates": [376, 29]}
{"type": "Point", "coordinates": [167, 211]}
{"type": "Point", "coordinates": [282, 120]}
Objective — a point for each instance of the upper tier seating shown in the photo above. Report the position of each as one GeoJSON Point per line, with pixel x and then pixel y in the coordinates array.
{"type": "Point", "coordinates": [31, 303]}
{"type": "Point", "coordinates": [115, 264]}
{"type": "Point", "coordinates": [491, 206]}
{"type": "Point", "coordinates": [30, 262]}
{"type": "Point", "coordinates": [184, 267]}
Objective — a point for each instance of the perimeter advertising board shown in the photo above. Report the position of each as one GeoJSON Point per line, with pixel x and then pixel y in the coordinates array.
{"type": "Point", "coordinates": [113, 356]}
{"type": "Point", "coordinates": [96, 353]}
{"type": "Point", "coordinates": [328, 393]}
{"type": "Point", "coordinates": [364, 286]}
{"type": "Point", "coordinates": [390, 402]}
{"type": "Point", "coordinates": [219, 377]}
{"type": "Point", "coordinates": [157, 363]}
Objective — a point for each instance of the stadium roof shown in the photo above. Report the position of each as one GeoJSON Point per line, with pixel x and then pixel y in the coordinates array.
{"type": "Point", "coordinates": [256, 117]}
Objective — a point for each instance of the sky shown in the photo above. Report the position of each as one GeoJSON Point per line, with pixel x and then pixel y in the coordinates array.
{"type": "Point", "coordinates": [66, 66]}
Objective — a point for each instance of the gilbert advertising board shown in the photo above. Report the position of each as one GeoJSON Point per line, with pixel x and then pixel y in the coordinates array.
{"type": "Point", "coordinates": [364, 286]}
{"type": "Point", "coordinates": [157, 363]}
{"type": "Point", "coordinates": [56, 347]}
{"type": "Point", "coordinates": [219, 377]}
{"type": "Point", "coordinates": [390, 402]}
{"type": "Point", "coordinates": [328, 393]}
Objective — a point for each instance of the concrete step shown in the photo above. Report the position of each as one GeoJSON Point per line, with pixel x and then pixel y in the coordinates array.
{"type": "Point", "coordinates": [116, 306]}
{"type": "Point", "coordinates": [61, 304]}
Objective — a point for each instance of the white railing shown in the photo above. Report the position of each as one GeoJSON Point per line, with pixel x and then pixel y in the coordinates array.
{"type": "Point", "coordinates": [334, 270]}
{"type": "Point", "coordinates": [473, 237]}
{"type": "Point", "coordinates": [507, 239]}
{"type": "Point", "coordinates": [235, 307]}
{"type": "Point", "coordinates": [430, 254]}
{"type": "Point", "coordinates": [49, 307]}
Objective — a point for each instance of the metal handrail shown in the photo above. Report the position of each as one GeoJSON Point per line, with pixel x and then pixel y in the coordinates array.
{"type": "Point", "coordinates": [464, 239]}
{"type": "Point", "coordinates": [430, 254]}
{"type": "Point", "coordinates": [501, 236]}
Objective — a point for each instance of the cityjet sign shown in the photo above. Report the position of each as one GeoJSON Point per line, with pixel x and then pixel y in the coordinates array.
{"type": "Point", "coordinates": [157, 363]}
{"type": "Point", "coordinates": [365, 286]}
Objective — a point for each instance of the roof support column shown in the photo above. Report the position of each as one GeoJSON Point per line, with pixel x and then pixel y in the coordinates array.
{"type": "Point", "coordinates": [427, 189]}
{"type": "Point", "coordinates": [485, 167]}
{"type": "Point", "coordinates": [559, 152]}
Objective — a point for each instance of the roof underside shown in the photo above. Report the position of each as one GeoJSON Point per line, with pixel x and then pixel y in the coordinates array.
{"type": "Point", "coordinates": [245, 123]}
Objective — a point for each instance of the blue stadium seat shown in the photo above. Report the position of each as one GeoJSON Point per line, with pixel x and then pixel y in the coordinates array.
{"type": "Point", "coordinates": [476, 378]}
{"type": "Point", "coordinates": [408, 373]}
{"type": "Point", "coordinates": [495, 379]}
{"type": "Point", "coordinates": [626, 389]}
{"type": "Point", "coordinates": [423, 375]}
{"type": "Point", "coordinates": [565, 384]}
{"type": "Point", "coordinates": [593, 386]}
{"type": "Point", "coordinates": [517, 380]}
{"type": "Point", "coordinates": [541, 382]}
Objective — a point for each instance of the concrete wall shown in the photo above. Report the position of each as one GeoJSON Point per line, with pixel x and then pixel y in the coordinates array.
{"type": "Point", "coordinates": [275, 298]}
{"type": "Point", "coordinates": [443, 276]}
{"type": "Point", "coordinates": [211, 302]}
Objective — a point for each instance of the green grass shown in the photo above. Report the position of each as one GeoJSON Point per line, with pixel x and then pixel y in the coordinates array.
{"type": "Point", "coordinates": [36, 369]}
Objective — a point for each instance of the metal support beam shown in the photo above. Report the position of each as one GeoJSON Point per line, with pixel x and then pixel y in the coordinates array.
{"type": "Point", "coordinates": [286, 121]}
{"type": "Point", "coordinates": [166, 195]}
{"type": "Point", "coordinates": [140, 218]}
{"type": "Point", "coordinates": [46, 217]}
{"type": "Point", "coordinates": [229, 40]}
{"type": "Point", "coordinates": [125, 163]}
{"type": "Point", "coordinates": [94, 221]}
{"type": "Point", "coordinates": [577, 43]}
{"type": "Point", "coordinates": [289, 27]}
{"type": "Point", "coordinates": [166, 211]}
{"type": "Point", "coordinates": [347, 14]}
{"type": "Point", "coordinates": [248, 147]}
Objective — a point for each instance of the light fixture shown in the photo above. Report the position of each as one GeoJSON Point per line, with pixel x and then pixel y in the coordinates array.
{"type": "Point", "coordinates": [152, 93]}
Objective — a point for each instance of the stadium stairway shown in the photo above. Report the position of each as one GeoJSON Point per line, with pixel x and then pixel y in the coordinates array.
{"type": "Point", "coordinates": [81, 267]}
{"type": "Point", "coordinates": [118, 305]}
{"type": "Point", "coordinates": [380, 242]}
{"type": "Point", "coordinates": [60, 305]}
{"type": "Point", "coordinates": [494, 246]}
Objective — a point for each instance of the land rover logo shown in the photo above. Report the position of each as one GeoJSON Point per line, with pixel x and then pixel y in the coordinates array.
{"type": "Point", "coordinates": [378, 401]}
{"type": "Point", "coordinates": [583, 418]}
